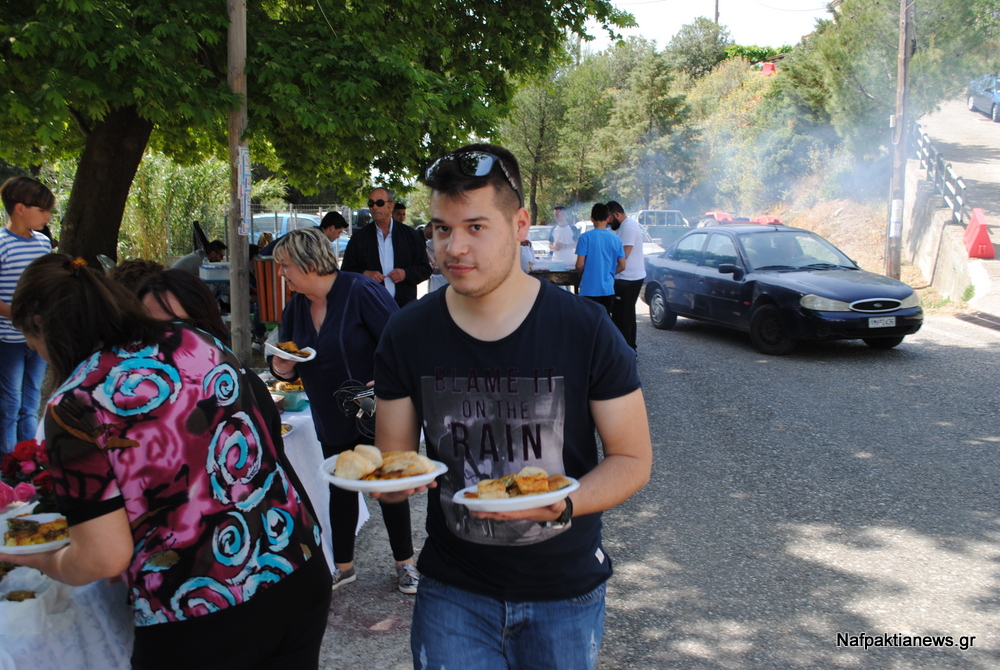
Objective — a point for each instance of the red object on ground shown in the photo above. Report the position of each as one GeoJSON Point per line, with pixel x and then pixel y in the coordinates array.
{"type": "Point", "coordinates": [769, 69]}
{"type": "Point", "coordinates": [767, 220]}
{"type": "Point", "coordinates": [977, 236]}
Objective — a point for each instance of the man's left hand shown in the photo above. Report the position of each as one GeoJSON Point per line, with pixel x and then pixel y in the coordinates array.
{"type": "Point", "coordinates": [397, 275]}
{"type": "Point", "coordinates": [539, 514]}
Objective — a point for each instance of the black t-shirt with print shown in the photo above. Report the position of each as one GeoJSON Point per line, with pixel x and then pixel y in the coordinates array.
{"type": "Point", "coordinates": [490, 408]}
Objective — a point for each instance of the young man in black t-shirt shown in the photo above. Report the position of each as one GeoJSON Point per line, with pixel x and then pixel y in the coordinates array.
{"type": "Point", "coordinates": [503, 371]}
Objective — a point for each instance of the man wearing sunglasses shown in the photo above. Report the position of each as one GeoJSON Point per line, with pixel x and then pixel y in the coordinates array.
{"type": "Point", "coordinates": [388, 252]}
{"type": "Point", "coordinates": [502, 372]}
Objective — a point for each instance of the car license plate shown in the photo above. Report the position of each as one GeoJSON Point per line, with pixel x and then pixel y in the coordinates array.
{"type": "Point", "coordinates": [882, 322]}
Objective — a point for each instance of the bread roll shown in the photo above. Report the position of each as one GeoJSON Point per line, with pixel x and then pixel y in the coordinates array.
{"type": "Point", "coordinates": [370, 453]}
{"type": "Point", "coordinates": [352, 466]}
{"type": "Point", "coordinates": [405, 464]}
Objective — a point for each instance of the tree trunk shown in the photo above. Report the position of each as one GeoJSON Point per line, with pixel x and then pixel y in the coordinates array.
{"type": "Point", "coordinates": [107, 167]}
{"type": "Point", "coordinates": [532, 204]}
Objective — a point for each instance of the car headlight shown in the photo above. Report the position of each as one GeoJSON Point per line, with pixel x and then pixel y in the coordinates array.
{"type": "Point", "coordinates": [913, 300]}
{"type": "Point", "coordinates": [821, 304]}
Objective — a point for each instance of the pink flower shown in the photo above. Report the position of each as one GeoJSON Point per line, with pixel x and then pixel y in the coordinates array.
{"type": "Point", "coordinates": [6, 495]}
{"type": "Point", "coordinates": [27, 467]}
{"type": "Point", "coordinates": [24, 491]}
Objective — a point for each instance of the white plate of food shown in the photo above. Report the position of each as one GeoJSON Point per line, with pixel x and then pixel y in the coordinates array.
{"type": "Point", "coordinates": [31, 527]}
{"type": "Point", "coordinates": [379, 485]}
{"type": "Point", "coordinates": [290, 352]}
{"type": "Point", "coordinates": [513, 504]}
{"type": "Point", "coordinates": [286, 429]}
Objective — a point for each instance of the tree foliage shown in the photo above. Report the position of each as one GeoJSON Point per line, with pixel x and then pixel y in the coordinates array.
{"type": "Point", "coordinates": [698, 47]}
{"type": "Point", "coordinates": [335, 89]}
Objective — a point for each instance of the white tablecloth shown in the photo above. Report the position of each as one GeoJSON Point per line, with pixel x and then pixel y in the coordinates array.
{"type": "Point", "coordinates": [64, 628]}
{"type": "Point", "coordinates": [306, 455]}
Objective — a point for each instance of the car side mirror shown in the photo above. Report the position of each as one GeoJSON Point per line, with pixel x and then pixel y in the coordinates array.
{"type": "Point", "coordinates": [731, 269]}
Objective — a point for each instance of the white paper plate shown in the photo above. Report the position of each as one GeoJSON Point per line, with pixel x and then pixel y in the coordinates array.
{"type": "Point", "coordinates": [515, 504]}
{"type": "Point", "coordinates": [379, 486]}
{"type": "Point", "coordinates": [275, 351]}
{"type": "Point", "coordinates": [286, 433]}
{"type": "Point", "coordinates": [35, 548]}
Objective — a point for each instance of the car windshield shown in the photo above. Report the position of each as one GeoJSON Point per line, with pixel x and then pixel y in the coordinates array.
{"type": "Point", "coordinates": [539, 233]}
{"type": "Point", "coordinates": [792, 250]}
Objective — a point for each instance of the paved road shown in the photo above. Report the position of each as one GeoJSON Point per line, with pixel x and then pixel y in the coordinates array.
{"type": "Point", "coordinates": [838, 489]}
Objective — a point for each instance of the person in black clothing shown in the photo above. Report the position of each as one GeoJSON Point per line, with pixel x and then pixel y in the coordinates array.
{"type": "Point", "coordinates": [399, 265]}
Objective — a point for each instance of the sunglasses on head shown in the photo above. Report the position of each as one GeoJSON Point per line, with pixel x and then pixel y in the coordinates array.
{"type": "Point", "coordinates": [376, 203]}
{"type": "Point", "coordinates": [473, 164]}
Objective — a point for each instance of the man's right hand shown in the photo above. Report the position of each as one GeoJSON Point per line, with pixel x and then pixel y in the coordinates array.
{"type": "Point", "coordinates": [376, 275]}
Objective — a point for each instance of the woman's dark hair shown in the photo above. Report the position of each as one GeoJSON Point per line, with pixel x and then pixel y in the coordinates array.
{"type": "Point", "coordinates": [77, 311]}
{"type": "Point", "coordinates": [192, 294]}
{"type": "Point", "coordinates": [131, 274]}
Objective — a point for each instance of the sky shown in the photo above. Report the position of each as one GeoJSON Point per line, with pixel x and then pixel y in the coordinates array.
{"type": "Point", "coordinates": [760, 22]}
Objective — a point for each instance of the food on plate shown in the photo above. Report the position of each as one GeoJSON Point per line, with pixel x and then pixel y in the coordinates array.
{"type": "Point", "coordinates": [398, 464]}
{"type": "Point", "coordinates": [25, 531]}
{"type": "Point", "coordinates": [6, 567]}
{"type": "Point", "coordinates": [286, 428]}
{"type": "Point", "coordinates": [371, 453]}
{"type": "Point", "coordinates": [531, 480]}
{"type": "Point", "coordinates": [370, 464]}
{"type": "Point", "coordinates": [290, 348]}
{"type": "Point", "coordinates": [351, 465]}
{"type": "Point", "coordinates": [20, 596]}
{"type": "Point", "coordinates": [289, 386]}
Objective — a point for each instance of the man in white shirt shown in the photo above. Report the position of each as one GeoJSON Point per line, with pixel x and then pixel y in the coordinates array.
{"type": "Point", "coordinates": [628, 282]}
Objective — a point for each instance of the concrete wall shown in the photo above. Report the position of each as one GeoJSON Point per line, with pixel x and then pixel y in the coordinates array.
{"type": "Point", "coordinates": [930, 240]}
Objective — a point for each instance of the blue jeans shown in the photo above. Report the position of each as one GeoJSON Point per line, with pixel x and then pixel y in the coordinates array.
{"type": "Point", "coordinates": [454, 629]}
{"type": "Point", "coordinates": [21, 374]}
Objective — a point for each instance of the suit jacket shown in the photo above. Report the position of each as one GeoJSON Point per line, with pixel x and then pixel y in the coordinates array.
{"type": "Point", "coordinates": [409, 254]}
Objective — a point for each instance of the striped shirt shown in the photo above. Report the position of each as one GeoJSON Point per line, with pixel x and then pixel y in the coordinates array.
{"type": "Point", "coordinates": [16, 253]}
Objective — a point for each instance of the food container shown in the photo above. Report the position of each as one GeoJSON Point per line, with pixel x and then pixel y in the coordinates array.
{"type": "Point", "coordinates": [295, 401]}
{"type": "Point", "coordinates": [214, 271]}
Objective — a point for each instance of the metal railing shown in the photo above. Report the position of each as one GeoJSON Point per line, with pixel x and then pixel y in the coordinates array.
{"type": "Point", "coordinates": [946, 182]}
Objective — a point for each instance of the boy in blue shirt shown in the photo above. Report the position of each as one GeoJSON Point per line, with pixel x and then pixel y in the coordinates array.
{"type": "Point", "coordinates": [599, 257]}
{"type": "Point", "coordinates": [29, 207]}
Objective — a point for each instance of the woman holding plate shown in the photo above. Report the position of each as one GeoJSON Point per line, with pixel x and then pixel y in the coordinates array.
{"type": "Point", "coordinates": [341, 316]}
{"type": "Point", "coordinates": [164, 465]}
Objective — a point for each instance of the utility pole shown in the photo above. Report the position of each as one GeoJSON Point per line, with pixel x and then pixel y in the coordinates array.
{"type": "Point", "coordinates": [901, 143]}
{"type": "Point", "coordinates": [716, 12]}
{"type": "Point", "coordinates": [239, 287]}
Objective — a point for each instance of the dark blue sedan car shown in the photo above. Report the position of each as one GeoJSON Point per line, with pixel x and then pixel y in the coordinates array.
{"type": "Point", "coordinates": [779, 284]}
{"type": "Point", "coordinates": [983, 95]}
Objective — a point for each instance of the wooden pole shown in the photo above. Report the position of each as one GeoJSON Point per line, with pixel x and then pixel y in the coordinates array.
{"type": "Point", "coordinates": [716, 12]}
{"type": "Point", "coordinates": [239, 290]}
{"type": "Point", "coordinates": [901, 137]}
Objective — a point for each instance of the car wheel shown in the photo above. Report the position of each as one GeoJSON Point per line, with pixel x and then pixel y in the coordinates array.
{"type": "Point", "coordinates": [972, 104]}
{"type": "Point", "coordinates": [995, 114]}
{"type": "Point", "coordinates": [659, 313]}
{"type": "Point", "coordinates": [768, 332]}
{"type": "Point", "coordinates": [883, 342]}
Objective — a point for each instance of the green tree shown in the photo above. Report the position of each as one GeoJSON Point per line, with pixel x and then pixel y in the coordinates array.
{"type": "Point", "coordinates": [698, 47]}
{"type": "Point", "coordinates": [532, 132]}
{"type": "Point", "coordinates": [332, 93]}
{"type": "Point", "coordinates": [648, 140]}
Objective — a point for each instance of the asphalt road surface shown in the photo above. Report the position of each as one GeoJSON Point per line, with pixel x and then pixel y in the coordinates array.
{"type": "Point", "coordinates": [839, 489]}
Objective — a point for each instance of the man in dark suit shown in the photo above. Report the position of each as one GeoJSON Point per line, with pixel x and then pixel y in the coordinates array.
{"type": "Point", "coordinates": [388, 252]}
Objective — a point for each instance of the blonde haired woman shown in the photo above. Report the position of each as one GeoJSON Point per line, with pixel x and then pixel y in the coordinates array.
{"type": "Point", "coordinates": [341, 315]}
